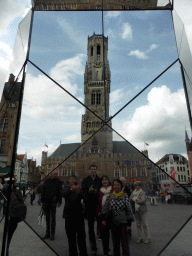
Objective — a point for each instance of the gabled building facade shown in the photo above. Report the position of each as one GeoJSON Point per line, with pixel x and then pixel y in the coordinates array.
{"type": "Point", "coordinates": [176, 166]}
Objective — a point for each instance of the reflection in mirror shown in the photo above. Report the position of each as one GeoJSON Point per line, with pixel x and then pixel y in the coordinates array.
{"type": "Point", "coordinates": [21, 45]}
{"type": "Point", "coordinates": [137, 52]}
{"type": "Point", "coordinates": [180, 242]}
{"type": "Point", "coordinates": [105, 5]}
{"type": "Point", "coordinates": [156, 118]}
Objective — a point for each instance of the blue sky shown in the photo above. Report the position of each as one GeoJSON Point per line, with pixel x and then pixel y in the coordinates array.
{"type": "Point", "coordinates": [141, 45]}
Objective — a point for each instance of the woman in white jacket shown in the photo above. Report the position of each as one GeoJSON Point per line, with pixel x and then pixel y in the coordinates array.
{"type": "Point", "coordinates": [138, 196]}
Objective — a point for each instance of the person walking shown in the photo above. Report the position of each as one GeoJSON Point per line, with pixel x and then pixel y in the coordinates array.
{"type": "Point", "coordinates": [122, 216]}
{"type": "Point", "coordinates": [90, 187]}
{"type": "Point", "coordinates": [138, 196]}
{"type": "Point", "coordinates": [153, 196]}
{"type": "Point", "coordinates": [104, 191]}
{"type": "Point", "coordinates": [32, 195]}
{"type": "Point", "coordinates": [74, 218]}
{"type": "Point", "coordinates": [50, 198]}
{"type": "Point", "coordinates": [39, 191]}
{"type": "Point", "coordinates": [16, 198]}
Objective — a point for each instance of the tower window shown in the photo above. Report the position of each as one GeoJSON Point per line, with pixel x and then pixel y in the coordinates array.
{"type": "Point", "coordinates": [92, 51]}
{"type": "Point", "coordinates": [98, 102]}
{"type": "Point", "coordinates": [98, 50]}
{"type": "Point", "coordinates": [2, 144]}
{"type": "Point", "coordinates": [3, 125]}
{"type": "Point", "coordinates": [93, 98]}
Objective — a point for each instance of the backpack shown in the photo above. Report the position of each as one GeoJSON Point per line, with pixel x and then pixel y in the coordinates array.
{"type": "Point", "coordinates": [19, 209]}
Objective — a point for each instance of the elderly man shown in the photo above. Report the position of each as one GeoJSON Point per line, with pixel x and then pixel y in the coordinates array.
{"type": "Point", "coordinates": [125, 188]}
{"type": "Point", "coordinates": [90, 187]}
{"type": "Point", "coordinates": [51, 197]}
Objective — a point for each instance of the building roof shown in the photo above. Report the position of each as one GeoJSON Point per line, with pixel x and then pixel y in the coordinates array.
{"type": "Point", "coordinates": [20, 157]}
{"type": "Point", "coordinates": [11, 91]}
{"type": "Point", "coordinates": [124, 148]}
{"type": "Point", "coordinates": [165, 158]}
{"type": "Point", "coordinates": [65, 150]}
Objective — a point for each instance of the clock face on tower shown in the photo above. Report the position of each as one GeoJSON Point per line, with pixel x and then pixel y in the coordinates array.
{"type": "Point", "coordinates": [97, 64]}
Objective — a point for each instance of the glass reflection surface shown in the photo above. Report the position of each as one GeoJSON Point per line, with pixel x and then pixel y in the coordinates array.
{"type": "Point", "coordinates": [21, 45]}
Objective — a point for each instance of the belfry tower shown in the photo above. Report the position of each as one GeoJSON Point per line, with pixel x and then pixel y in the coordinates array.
{"type": "Point", "coordinates": [97, 90]}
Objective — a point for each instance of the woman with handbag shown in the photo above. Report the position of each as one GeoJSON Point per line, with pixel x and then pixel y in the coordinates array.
{"type": "Point", "coordinates": [122, 216]}
{"type": "Point", "coordinates": [103, 230]}
{"type": "Point", "coordinates": [139, 198]}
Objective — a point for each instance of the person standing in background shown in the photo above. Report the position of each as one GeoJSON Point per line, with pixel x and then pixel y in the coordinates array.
{"type": "Point", "coordinates": [51, 197]}
{"type": "Point", "coordinates": [90, 187]}
{"type": "Point", "coordinates": [74, 218]}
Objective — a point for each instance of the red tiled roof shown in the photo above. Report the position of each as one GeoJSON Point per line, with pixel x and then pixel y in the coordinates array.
{"type": "Point", "coordinates": [20, 157]}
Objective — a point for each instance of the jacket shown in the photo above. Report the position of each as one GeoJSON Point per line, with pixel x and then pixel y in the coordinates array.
{"type": "Point", "coordinates": [73, 207]}
{"type": "Point", "coordinates": [16, 199]}
{"type": "Point", "coordinates": [142, 203]}
{"type": "Point", "coordinates": [90, 198]}
{"type": "Point", "coordinates": [52, 191]}
{"type": "Point", "coordinates": [121, 209]}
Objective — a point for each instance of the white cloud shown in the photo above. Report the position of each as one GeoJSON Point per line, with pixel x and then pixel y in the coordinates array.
{"type": "Point", "coordinates": [160, 123]}
{"type": "Point", "coordinates": [138, 54]}
{"type": "Point", "coordinates": [127, 32]}
{"type": "Point", "coordinates": [9, 10]}
{"type": "Point", "coordinates": [113, 14]}
{"type": "Point", "coordinates": [5, 55]}
{"type": "Point", "coordinates": [35, 152]}
{"type": "Point", "coordinates": [152, 47]}
{"type": "Point", "coordinates": [143, 55]}
{"type": "Point", "coordinates": [44, 99]}
{"type": "Point", "coordinates": [73, 138]}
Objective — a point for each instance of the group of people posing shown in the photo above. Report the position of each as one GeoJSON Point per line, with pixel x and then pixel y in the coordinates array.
{"type": "Point", "coordinates": [112, 206]}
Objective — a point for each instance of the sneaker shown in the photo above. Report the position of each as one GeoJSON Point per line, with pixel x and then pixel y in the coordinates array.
{"type": "Point", "coordinates": [139, 240]}
{"type": "Point", "coordinates": [147, 241]}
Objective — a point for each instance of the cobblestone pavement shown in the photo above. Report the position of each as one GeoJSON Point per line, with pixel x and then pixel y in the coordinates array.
{"type": "Point", "coordinates": [164, 221]}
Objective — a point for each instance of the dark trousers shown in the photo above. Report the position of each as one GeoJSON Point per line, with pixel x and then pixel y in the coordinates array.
{"type": "Point", "coordinates": [91, 221]}
{"type": "Point", "coordinates": [13, 222]}
{"type": "Point", "coordinates": [120, 235]}
{"type": "Point", "coordinates": [75, 230]}
{"type": "Point", "coordinates": [104, 233]}
{"type": "Point", "coordinates": [50, 212]}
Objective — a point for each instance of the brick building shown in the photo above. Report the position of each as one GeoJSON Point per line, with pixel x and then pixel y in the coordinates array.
{"type": "Point", "coordinates": [8, 117]}
{"type": "Point", "coordinates": [54, 5]}
{"type": "Point", "coordinates": [113, 158]}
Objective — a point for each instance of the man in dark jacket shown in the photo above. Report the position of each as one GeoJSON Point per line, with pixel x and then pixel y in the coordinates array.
{"type": "Point", "coordinates": [50, 198]}
{"type": "Point", "coordinates": [90, 188]}
{"type": "Point", "coordinates": [74, 218]}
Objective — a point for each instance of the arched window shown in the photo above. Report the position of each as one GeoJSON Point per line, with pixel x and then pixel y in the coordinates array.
{"type": "Point", "coordinates": [124, 172]}
{"type": "Point", "coordinates": [98, 50]}
{"type": "Point", "coordinates": [143, 172]}
{"type": "Point", "coordinates": [116, 172]}
{"type": "Point", "coordinates": [93, 98]}
{"type": "Point", "coordinates": [134, 172]}
{"type": "Point", "coordinates": [91, 50]}
{"type": "Point", "coordinates": [98, 100]}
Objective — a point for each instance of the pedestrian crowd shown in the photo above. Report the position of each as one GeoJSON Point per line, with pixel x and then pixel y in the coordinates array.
{"type": "Point", "coordinates": [114, 207]}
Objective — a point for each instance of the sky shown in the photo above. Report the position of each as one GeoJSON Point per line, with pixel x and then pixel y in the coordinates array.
{"type": "Point", "coordinates": [140, 46]}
